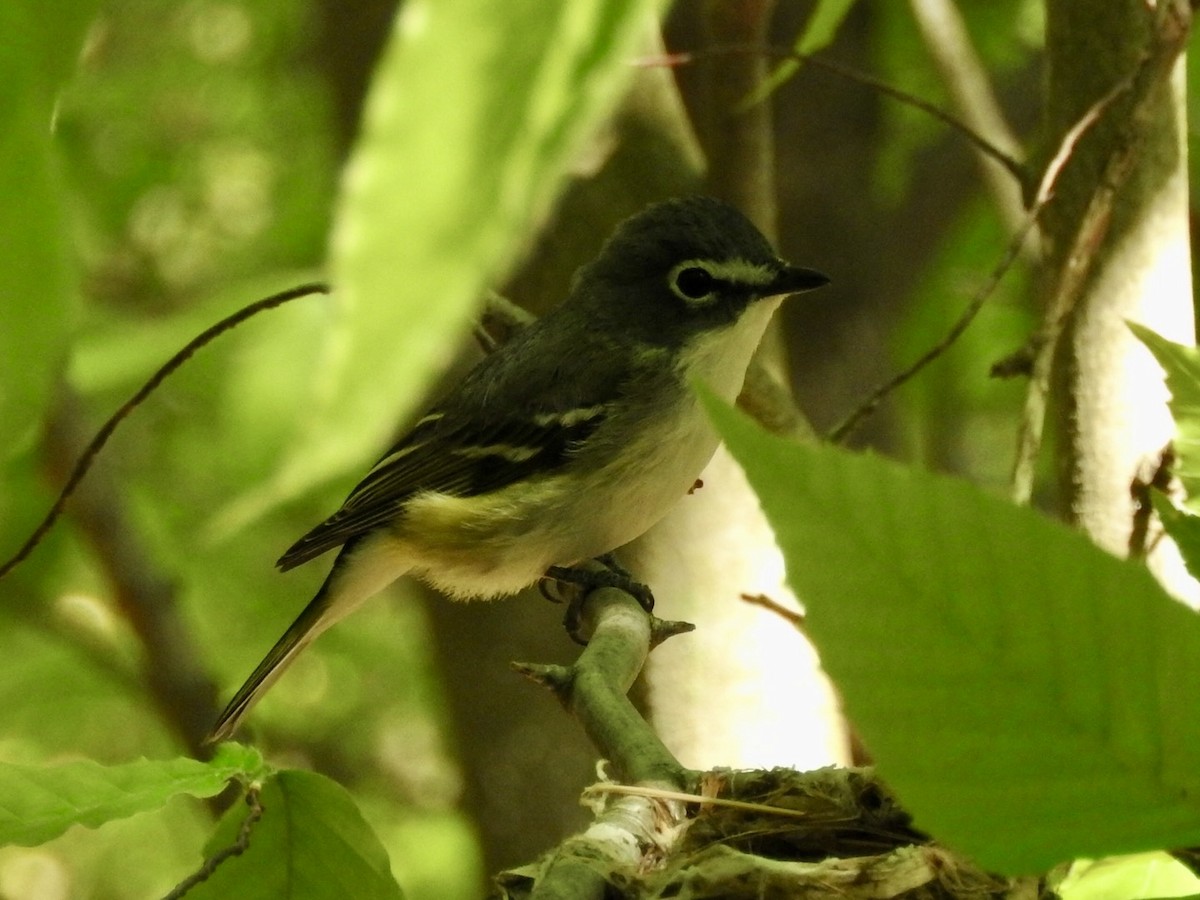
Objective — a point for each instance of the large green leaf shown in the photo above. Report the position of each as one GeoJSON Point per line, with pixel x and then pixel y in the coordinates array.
{"type": "Point", "coordinates": [1026, 694]}
{"type": "Point", "coordinates": [475, 112]}
{"type": "Point", "coordinates": [38, 803]}
{"type": "Point", "coordinates": [1182, 365]}
{"type": "Point", "coordinates": [311, 842]}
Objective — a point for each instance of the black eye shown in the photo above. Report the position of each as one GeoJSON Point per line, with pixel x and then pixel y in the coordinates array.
{"type": "Point", "coordinates": [694, 282]}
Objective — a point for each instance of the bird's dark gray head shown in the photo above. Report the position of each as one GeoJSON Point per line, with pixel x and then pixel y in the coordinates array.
{"type": "Point", "coordinates": [666, 233]}
{"type": "Point", "coordinates": [684, 265]}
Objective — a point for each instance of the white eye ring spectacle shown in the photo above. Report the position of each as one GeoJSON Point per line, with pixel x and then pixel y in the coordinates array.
{"type": "Point", "coordinates": [691, 282]}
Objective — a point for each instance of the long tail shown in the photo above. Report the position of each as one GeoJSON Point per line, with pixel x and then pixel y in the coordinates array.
{"type": "Point", "coordinates": [310, 623]}
{"type": "Point", "coordinates": [361, 570]}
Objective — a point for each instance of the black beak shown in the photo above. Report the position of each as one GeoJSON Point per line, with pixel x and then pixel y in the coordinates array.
{"type": "Point", "coordinates": [794, 280]}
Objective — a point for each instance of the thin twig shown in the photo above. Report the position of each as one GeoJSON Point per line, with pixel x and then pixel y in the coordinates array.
{"type": "Point", "coordinates": [97, 443]}
{"type": "Point", "coordinates": [948, 43]}
{"type": "Point", "coordinates": [636, 790]}
{"type": "Point", "coordinates": [1011, 254]}
{"type": "Point", "coordinates": [237, 848]}
{"type": "Point", "coordinates": [500, 321]}
{"type": "Point", "coordinates": [1010, 164]}
{"type": "Point", "coordinates": [1067, 146]}
{"type": "Point", "coordinates": [1043, 195]}
{"type": "Point", "coordinates": [788, 615]}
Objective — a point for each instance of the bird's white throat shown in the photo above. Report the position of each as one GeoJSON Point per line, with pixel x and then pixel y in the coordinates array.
{"type": "Point", "coordinates": [719, 358]}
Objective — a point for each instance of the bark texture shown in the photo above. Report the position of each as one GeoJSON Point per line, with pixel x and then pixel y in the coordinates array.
{"type": "Point", "coordinates": [1112, 408]}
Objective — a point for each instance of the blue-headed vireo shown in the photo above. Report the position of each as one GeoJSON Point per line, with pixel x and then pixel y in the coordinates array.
{"type": "Point", "coordinates": [570, 440]}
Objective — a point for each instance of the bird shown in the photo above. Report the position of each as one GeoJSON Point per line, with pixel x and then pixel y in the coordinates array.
{"type": "Point", "coordinates": [570, 440]}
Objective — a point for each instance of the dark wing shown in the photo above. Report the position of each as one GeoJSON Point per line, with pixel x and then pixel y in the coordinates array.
{"type": "Point", "coordinates": [466, 446]}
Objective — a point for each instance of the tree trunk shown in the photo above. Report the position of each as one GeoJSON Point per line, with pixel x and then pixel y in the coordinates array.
{"type": "Point", "coordinates": [1111, 400]}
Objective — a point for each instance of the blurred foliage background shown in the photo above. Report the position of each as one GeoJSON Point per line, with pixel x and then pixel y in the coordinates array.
{"type": "Point", "coordinates": [193, 165]}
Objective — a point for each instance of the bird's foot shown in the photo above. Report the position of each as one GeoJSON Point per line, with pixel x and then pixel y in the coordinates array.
{"type": "Point", "coordinates": [588, 578]}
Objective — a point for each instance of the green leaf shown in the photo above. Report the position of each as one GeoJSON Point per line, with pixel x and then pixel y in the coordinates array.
{"type": "Point", "coordinates": [823, 25]}
{"type": "Point", "coordinates": [1182, 365]}
{"type": "Point", "coordinates": [38, 803]}
{"type": "Point", "coordinates": [1026, 694]}
{"type": "Point", "coordinates": [311, 843]}
{"type": "Point", "coordinates": [475, 112]}
{"type": "Point", "coordinates": [1183, 528]}
{"type": "Point", "coordinates": [37, 272]}
{"type": "Point", "coordinates": [818, 33]}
